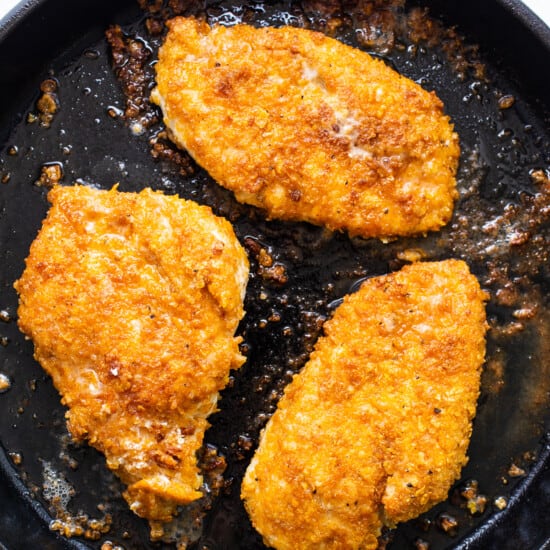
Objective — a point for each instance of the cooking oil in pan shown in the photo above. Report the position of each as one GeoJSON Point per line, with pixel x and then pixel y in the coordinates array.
{"type": "Point", "coordinates": [299, 273]}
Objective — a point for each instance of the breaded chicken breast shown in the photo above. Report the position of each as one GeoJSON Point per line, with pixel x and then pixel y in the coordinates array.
{"type": "Point", "coordinates": [308, 128]}
{"type": "Point", "coordinates": [132, 302]}
{"type": "Point", "coordinates": [374, 430]}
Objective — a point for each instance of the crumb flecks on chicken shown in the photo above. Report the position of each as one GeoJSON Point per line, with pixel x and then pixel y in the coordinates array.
{"type": "Point", "coordinates": [375, 428]}
{"type": "Point", "coordinates": [132, 302]}
{"type": "Point", "coordinates": [308, 128]}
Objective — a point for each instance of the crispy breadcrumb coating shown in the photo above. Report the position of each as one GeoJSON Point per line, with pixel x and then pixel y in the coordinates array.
{"type": "Point", "coordinates": [132, 302]}
{"type": "Point", "coordinates": [375, 428]}
{"type": "Point", "coordinates": [308, 128]}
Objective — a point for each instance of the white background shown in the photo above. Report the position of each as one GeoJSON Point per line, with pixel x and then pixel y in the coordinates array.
{"type": "Point", "coordinates": [540, 7]}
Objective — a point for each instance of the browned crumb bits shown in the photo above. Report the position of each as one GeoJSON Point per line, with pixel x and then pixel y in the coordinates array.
{"type": "Point", "coordinates": [448, 524]}
{"type": "Point", "coordinates": [506, 101]}
{"type": "Point", "coordinates": [48, 103]}
{"type": "Point", "coordinates": [130, 57]}
{"type": "Point", "coordinates": [265, 259]}
{"type": "Point", "coordinates": [154, 26]}
{"type": "Point", "coordinates": [16, 458]}
{"type": "Point", "coordinates": [476, 505]}
{"type": "Point", "coordinates": [81, 526]}
{"type": "Point", "coordinates": [151, 6]}
{"type": "Point", "coordinates": [114, 112]}
{"type": "Point", "coordinates": [525, 312]}
{"type": "Point", "coordinates": [162, 149]}
{"type": "Point", "coordinates": [540, 177]}
{"type": "Point", "coordinates": [48, 86]}
{"type": "Point", "coordinates": [245, 442]}
{"type": "Point", "coordinates": [5, 383]}
{"type": "Point", "coordinates": [421, 544]}
{"type": "Point", "coordinates": [475, 502]}
{"type": "Point", "coordinates": [276, 274]}
{"type": "Point", "coordinates": [51, 174]}
{"type": "Point", "coordinates": [500, 503]}
{"type": "Point", "coordinates": [469, 489]}
{"type": "Point", "coordinates": [270, 270]}
{"type": "Point", "coordinates": [462, 57]}
{"type": "Point", "coordinates": [515, 471]}
{"type": "Point", "coordinates": [411, 254]}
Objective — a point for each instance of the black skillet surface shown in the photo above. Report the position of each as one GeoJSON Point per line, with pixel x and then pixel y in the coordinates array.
{"type": "Point", "coordinates": [500, 228]}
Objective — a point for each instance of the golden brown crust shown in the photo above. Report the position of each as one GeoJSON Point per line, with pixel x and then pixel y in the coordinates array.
{"type": "Point", "coordinates": [308, 128]}
{"type": "Point", "coordinates": [375, 428]}
{"type": "Point", "coordinates": [132, 301]}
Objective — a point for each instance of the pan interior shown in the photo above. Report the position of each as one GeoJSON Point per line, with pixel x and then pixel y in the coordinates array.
{"type": "Point", "coordinates": [96, 135]}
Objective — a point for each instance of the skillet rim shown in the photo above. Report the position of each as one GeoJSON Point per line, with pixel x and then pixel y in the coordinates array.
{"type": "Point", "coordinates": [529, 19]}
{"type": "Point", "coordinates": [16, 15]}
{"type": "Point", "coordinates": [516, 8]}
{"type": "Point", "coordinates": [538, 30]}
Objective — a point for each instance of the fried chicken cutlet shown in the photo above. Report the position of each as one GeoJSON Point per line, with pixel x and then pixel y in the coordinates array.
{"type": "Point", "coordinates": [132, 302]}
{"type": "Point", "coordinates": [308, 128]}
{"type": "Point", "coordinates": [375, 428]}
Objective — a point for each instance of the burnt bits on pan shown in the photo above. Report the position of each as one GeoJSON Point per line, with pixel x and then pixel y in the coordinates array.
{"type": "Point", "coordinates": [103, 129]}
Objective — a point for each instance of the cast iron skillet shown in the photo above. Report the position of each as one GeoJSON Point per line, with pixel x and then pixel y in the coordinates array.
{"type": "Point", "coordinates": [499, 51]}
